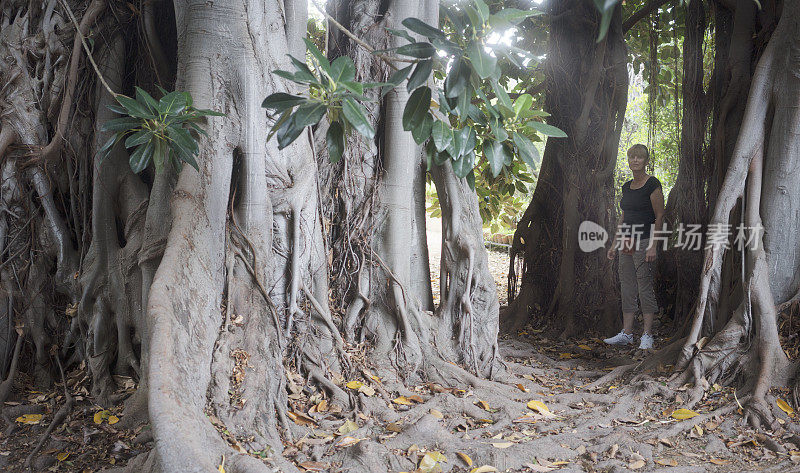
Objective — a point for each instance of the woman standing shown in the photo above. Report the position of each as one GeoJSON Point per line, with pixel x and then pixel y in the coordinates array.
{"type": "Point", "coordinates": [642, 207]}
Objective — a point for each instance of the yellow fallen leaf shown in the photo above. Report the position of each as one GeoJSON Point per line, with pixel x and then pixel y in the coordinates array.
{"type": "Point", "coordinates": [394, 427]}
{"type": "Point", "coordinates": [522, 388]}
{"type": "Point", "coordinates": [300, 419]}
{"type": "Point", "coordinates": [484, 469]}
{"type": "Point", "coordinates": [670, 462]}
{"type": "Point", "coordinates": [683, 414]}
{"type": "Point", "coordinates": [483, 405]}
{"type": "Point", "coordinates": [347, 427]}
{"type": "Point", "coordinates": [718, 461]}
{"type": "Point", "coordinates": [29, 418]}
{"type": "Point", "coordinates": [113, 420]}
{"type": "Point", "coordinates": [565, 356]}
{"type": "Point", "coordinates": [98, 417]}
{"type": "Point", "coordinates": [584, 347]}
{"type": "Point", "coordinates": [322, 406]}
{"type": "Point", "coordinates": [354, 384]}
{"type": "Point", "coordinates": [416, 398]}
{"type": "Point", "coordinates": [62, 456]}
{"type": "Point", "coordinates": [785, 407]}
{"type": "Point", "coordinates": [437, 414]}
{"type": "Point", "coordinates": [367, 390]}
{"type": "Point", "coordinates": [540, 407]}
{"type": "Point", "coordinates": [221, 468]}
{"type": "Point", "coordinates": [402, 400]}
{"type": "Point", "coordinates": [465, 458]}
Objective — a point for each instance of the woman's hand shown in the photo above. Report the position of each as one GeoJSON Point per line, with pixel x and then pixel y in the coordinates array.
{"type": "Point", "coordinates": [611, 252]}
{"type": "Point", "coordinates": [650, 255]}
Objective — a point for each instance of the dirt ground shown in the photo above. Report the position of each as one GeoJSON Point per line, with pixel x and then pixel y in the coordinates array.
{"type": "Point", "coordinates": [559, 406]}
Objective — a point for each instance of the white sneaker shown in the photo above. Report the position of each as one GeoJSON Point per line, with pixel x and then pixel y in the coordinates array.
{"type": "Point", "coordinates": [646, 342]}
{"type": "Point", "coordinates": [621, 338]}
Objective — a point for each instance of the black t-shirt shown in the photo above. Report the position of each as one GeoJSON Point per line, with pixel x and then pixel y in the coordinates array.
{"type": "Point", "coordinates": [637, 206]}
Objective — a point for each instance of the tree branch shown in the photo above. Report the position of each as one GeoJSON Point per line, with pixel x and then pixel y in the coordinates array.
{"type": "Point", "coordinates": [641, 13]}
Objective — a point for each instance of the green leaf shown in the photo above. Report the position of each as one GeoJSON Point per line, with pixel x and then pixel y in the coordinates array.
{"type": "Point", "coordinates": [334, 138]}
{"type": "Point", "coordinates": [288, 131]}
{"type": "Point", "coordinates": [143, 97]}
{"type": "Point", "coordinates": [441, 158]}
{"type": "Point", "coordinates": [527, 151]}
{"type": "Point", "coordinates": [121, 124]}
{"type": "Point", "coordinates": [418, 50]}
{"type": "Point", "coordinates": [510, 16]}
{"type": "Point", "coordinates": [173, 103]}
{"type": "Point", "coordinates": [548, 130]}
{"type": "Point", "coordinates": [522, 103]}
{"type": "Point", "coordinates": [309, 114]}
{"type": "Point", "coordinates": [303, 74]}
{"type": "Point", "coordinates": [420, 27]}
{"type": "Point", "coordinates": [280, 101]}
{"type": "Point", "coordinates": [482, 8]}
{"type": "Point", "coordinates": [183, 139]}
{"type": "Point", "coordinates": [160, 153]}
{"type": "Point", "coordinates": [483, 63]}
{"type": "Point", "coordinates": [430, 154]}
{"type": "Point", "coordinates": [422, 132]}
{"type": "Point", "coordinates": [464, 102]}
{"type": "Point", "coordinates": [471, 179]}
{"type": "Point", "coordinates": [417, 106]}
{"type": "Point", "coordinates": [495, 155]}
{"type": "Point", "coordinates": [355, 114]}
{"type": "Point", "coordinates": [140, 158]}
{"type": "Point", "coordinates": [442, 135]}
{"type": "Point", "coordinates": [498, 131]}
{"type": "Point", "coordinates": [141, 136]}
{"type": "Point", "coordinates": [402, 34]}
{"type": "Point", "coordinates": [285, 116]}
{"type": "Point", "coordinates": [457, 79]}
{"type": "Point", "coordinates": [208, 112]}
{"type": "Point", "coordinates": [396, 79]}
{"type": "Point", "coordinates": [463, 165]}
{"type": "Point", "coordinates": [343, 69]}
{"type": "Point", "coordinates": [134, 108]}
{"type": "Point", "coordinates": [317, 54]}
{"type": "Point", "coordinates": [105, 150]}
{"type": "Point", "coordinates": [353, 87]}
{"type": "Point", "coordinates": [420, 74]}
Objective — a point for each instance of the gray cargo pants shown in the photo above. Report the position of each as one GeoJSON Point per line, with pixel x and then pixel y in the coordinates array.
{"type": "Point", "coordinates": [636, 279]}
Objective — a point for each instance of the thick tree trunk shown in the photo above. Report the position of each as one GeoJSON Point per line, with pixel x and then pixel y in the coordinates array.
{"type": "Point", "coordinates": [586, 97]}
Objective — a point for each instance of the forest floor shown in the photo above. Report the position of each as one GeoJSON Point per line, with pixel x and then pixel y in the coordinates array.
{"type": "Point", "coordinates": [550, 412]}
{"type": "Point", "coordinates": [572, 425]}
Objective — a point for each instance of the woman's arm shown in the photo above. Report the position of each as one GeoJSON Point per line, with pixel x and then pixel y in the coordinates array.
{"type": "Point", "coordinates": [657, 201]}
{"type": "Point", "coordinates": [612, 250]}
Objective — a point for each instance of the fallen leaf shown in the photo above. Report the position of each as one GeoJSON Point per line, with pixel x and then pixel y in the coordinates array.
{"type": "Point", "coordinates": [367, 390]}
{"type": "Point", "coordinates": [718, 461]}
{"type": "Point", "coordinates": [347, 442]}
{"type": "Point", "coordinates": [313, 466]}
{"type": "Point", "coordinates": [465, 458]}
{"type": "Point", "coordinates": [437, 414]}
{"type": "Point", "coordinates": [521, 388]}
{"type": "Point", "coordinates": [683, 414]}
{"type": "Point", "coordinates": [416, 398]}
{"type": "Point", "coordinates": [584, 347]}
{"type": "Point", "coordinates": [502, 444]}
{"type": "Point", "coordinates": [354, 384]}
{"type": "Point", "coordinates": [540, 407]}
{"type": "Point", "coordinates": [402, 400]}
{"type": "Point", "coordinates": [430, 462]}
{"type": "Point", "coordinates": [635, 465]}
{"type": "Point", "coordinates": [785, 407]}
{"type": "Point", "coordinates": [394, 427]}
{"type": "Point", "coordinates": [113, 420]}
{"type": "Point", "coordinates": [347, 427]}
{"type": "Point", "coordinates": [669, 462]}
{"type": "Point", "coordinates": [483, 405]}
{"type": "Point", "coordinates": [526, 419]}
{"type": "Point", "coordinates": [484, 469]}
{"type": "Point", "coordinates": [62, 456]}
{"type": "Point", "coordinates": [322, 406]}
{"type": "Point", "coordinates": [299, 418]}
{"type": "Point", "coordinates": [29, 419]}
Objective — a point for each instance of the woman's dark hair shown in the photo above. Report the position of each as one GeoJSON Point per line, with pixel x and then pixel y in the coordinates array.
{"type": "Point", "coordinates": [640, 148]}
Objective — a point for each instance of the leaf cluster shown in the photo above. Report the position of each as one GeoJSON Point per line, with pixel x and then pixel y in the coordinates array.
{"type": "Point", "coordinates": [160, 131]}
